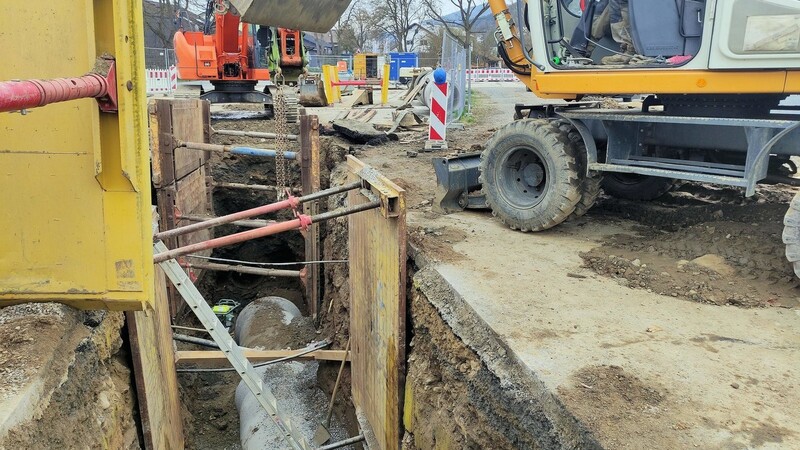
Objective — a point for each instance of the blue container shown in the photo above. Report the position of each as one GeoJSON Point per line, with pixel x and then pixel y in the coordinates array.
{"type": "Point", "coordinates": [399, 60]}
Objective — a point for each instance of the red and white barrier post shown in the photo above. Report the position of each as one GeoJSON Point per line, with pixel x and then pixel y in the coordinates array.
{"type": "Point", "coordinates": [438, 118]}
{"type": "Point", "coordinates": [173, 79]}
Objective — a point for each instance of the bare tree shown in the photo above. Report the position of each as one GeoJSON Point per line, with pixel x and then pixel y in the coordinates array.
{"type": "Point", "coordinates": [357, 27]}
{"type": "Point", "coordinates": [461, 29]}
{"type": "Point", "coordinates": [160, 17]}
{"type": "Point", "coordinates": [484, 48]}
{"type": "Point", "coordinates": [398, 18]}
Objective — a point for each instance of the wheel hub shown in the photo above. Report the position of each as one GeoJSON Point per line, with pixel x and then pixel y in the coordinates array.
{"type": "Point", "coordinates": [524, 178]}
{"type": "Point", "coordinates": [533, 174]}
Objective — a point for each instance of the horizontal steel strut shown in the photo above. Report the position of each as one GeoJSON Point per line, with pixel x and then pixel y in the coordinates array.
{"type": "Point", "coordinates": [291, 202]}
{"type": "Point", "coordinates": [300, 223]}
{"type": "Point", "coordinates": [235, 149]}
{"type": "Point", "coordinates": [25, 94]}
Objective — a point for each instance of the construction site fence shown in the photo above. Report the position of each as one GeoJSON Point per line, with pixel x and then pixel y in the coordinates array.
{"type": "Point", "coordinates": [159, 58]}
{"type": "Point", "coordinates": [162, 81]}
{"type": "Point", "coordinates": [454, 60]}
{"type": "Point", "coordinates": [160, 72]}
{"type": "Point", "coordinates": [480, 75]}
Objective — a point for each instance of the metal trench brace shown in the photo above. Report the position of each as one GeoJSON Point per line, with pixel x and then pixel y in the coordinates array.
{"type": "Point", "coordinates": [165, 258]}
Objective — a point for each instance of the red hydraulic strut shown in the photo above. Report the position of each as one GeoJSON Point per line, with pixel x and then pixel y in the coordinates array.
{"type": "Point", "coordinates": [300, 223]}
{"type": "Point", "coordinates": [26, 94]}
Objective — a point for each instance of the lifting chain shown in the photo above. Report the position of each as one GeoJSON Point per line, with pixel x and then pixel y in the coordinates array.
{"type": "Point", "coordinates": [280, 138]}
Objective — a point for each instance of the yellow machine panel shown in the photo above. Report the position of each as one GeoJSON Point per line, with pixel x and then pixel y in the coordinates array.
{"type": "Point", "coordinates": [365, 65]}
{"type": "Point", "coordinates": [74, 182]}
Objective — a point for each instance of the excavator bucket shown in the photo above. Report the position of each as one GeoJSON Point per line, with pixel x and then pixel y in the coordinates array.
{"type": "Point", "coordinates": [312, 91]}
{"type": "Point", "coordinates": [457, 183]}
{"type": "Point", "coordinates": [317, 16]}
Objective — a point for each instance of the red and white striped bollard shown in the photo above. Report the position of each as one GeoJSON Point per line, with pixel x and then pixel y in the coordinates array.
{"type": "Point", "coordinates": [438, 118]}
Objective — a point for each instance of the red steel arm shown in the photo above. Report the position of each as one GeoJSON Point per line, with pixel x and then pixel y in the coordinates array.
{"type": "Point", "coordinates": [26, 94]}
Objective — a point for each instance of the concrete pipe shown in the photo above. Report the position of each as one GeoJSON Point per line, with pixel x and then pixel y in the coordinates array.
{"type": "Point", "coordinates": [275, 323]}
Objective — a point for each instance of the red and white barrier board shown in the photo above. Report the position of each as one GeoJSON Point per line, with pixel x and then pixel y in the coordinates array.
{"type": "Point", "coordinates": [478, 75]}
{"type": "Point", "coordinates": [438, 119]}
{"type": "Point", "coordinates": [162, 81]}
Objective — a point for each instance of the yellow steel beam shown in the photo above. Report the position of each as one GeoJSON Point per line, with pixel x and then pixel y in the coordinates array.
{"type": "Point", "coordinates": [666, 81]}
{"type": "Point", "coordinates": [75, 184]}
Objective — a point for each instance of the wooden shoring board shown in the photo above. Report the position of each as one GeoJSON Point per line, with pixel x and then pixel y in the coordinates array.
{"type": "Point", "coordinates": [177, 120]}
{"type": "Point", "coordinates": [173, 120]}
{"type": "Point", "coordinates": [377, 246]}
{"type": "Point", "coordinates": [152, 353]}
{"type": "Point", "coordinates": [191, 199]}
{"type": "Point", "coordinates": [310, 180]}
{"type": "Point", "coordinates": [217, 358]}
{"type": "Point", "coordinates": [179, 174]}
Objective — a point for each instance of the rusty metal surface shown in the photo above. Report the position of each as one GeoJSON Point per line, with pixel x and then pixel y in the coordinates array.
{"type": "Point", "coordinates": [310, 180]}
{"type": "Point", "coordinates": [377, 246]}
{"type": "Point", "coordinates": [318, 16]}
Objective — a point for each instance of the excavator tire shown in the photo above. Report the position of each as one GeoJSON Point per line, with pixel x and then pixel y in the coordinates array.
{"type": "Point", "coordinates": [791, 233]}
{"type": "Point", "coordinates": [590, 183]}
{"type": "Point", "coordinates": [631, 186]}
{"type": "Point", "coordinates": [530, 175]}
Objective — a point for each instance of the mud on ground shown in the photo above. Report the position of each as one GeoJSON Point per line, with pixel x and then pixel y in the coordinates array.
{"type": "Point", "coordinates": [701, 243]}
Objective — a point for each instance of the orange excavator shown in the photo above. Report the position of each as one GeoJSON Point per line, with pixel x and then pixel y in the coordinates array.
{"type": "Point", "coordinates": [247, 41]}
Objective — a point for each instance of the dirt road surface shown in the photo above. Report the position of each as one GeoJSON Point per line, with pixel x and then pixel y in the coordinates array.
{"type": "Point", "coordinates": [615, 316]}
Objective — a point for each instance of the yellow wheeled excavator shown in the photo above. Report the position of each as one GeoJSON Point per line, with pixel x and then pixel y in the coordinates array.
{"type": "Point", "coordinates": [709, 80]}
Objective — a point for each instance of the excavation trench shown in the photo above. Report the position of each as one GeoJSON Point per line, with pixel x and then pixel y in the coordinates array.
{"type": "Point", "coordinates": [442, 368]}
{"type": "Point", "coordinates": [271, 314]}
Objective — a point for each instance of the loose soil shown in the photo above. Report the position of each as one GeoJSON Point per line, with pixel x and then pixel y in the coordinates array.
{"type": "Point", "coordinates": [606, 397]}
{"type": "Point", "coordinates": [73, 368]}
{"type": "Point", "coordinates": [700, 221]}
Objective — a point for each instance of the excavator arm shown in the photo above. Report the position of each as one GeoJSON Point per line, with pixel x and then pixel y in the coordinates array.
{"type": "Point", "coordinates": [512, 49]}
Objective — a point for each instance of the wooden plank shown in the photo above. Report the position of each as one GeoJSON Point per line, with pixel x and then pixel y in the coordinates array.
{"type": "Point", "coordinates": [164, 144]}
{"type": "Point", "coordinates": [179, 175]}
{"type": "Point", "coordinates": [377, 246]}
{"type": "Point", "coordinates": [191, 200]}
{"type": "Point", "coordinates": [154, 371]}
{"type": "Point", "coordinates": [166, 213]}
{"type": "Point", "coordinates": [310, 179]}
{"type": "Point", "coordinates": [188, 124]}
{"type": "Point", "coordinates": [215, 357]}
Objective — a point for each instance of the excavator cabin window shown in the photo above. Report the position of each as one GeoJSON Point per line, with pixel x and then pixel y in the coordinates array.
{"type": "Point", "coordinates": [620, 34]}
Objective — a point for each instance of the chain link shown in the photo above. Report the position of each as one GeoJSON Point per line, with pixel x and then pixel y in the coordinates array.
{"type": "Point", "coordinates": [281, 142]}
